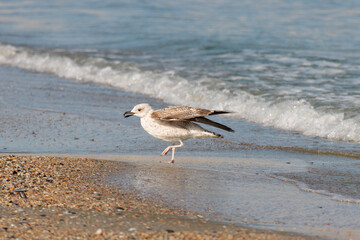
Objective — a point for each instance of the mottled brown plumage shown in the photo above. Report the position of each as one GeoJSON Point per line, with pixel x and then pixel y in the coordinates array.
{"type": "Point", "coordinates": [183, 113]}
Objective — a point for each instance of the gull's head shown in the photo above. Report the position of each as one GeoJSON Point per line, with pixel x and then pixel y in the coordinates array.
{"type": "Point", "coordinates": [140, 110]}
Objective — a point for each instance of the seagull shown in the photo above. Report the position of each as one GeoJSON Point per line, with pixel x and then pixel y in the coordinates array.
{"type": "Point", "coordinates": [176, 124]}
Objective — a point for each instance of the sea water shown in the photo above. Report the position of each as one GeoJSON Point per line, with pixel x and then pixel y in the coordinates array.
{"type": "Point", "coordinates": [289, 70]}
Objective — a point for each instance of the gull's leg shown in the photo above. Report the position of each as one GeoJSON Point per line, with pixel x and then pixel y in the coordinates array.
{"type": "Point", "coordinates": [166, 150]}
{"type": "Point", "coordinates": [172, 148]}
{"type": "Point", "coordinates": [173, 151]}
{"type": "Point", "coordinates": [172, 156]}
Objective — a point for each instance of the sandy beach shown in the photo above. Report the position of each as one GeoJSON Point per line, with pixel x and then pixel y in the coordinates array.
{"type": "Point", "coordinates": [46, 197]}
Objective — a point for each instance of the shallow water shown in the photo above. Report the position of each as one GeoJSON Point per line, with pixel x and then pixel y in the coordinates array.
{"type": "Point", "coordinates": [241, 190]}
{"type": "Point", "coordinates": [290, 65]}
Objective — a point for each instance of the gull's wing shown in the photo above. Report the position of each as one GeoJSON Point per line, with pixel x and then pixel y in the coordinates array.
{"type": "Point", "coordinates": [204, 120]}
{"type": "Point", "coordinates": [183, 113]}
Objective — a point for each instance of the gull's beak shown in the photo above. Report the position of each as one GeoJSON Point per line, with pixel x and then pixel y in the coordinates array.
{"type": "Point", "coordinates": [128, 114]}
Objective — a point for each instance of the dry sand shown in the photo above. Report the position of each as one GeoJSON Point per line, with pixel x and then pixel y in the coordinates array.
{"type": "Point", "coordinates": [67, 198]}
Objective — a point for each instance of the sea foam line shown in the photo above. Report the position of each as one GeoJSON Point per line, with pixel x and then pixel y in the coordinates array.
{"type": "Point", "coordinates": [304, 187]}
{"type": "Point", "coordinates": [297, 116]}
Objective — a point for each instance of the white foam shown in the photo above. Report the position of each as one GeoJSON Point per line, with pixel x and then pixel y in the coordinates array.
{"type": "Point", "coordinates": [297, 116]}
{"type": "Point", "coordinates": [304, 187]}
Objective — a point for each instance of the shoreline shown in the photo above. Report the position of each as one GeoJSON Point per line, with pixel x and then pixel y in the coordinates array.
{"type": "Point", "coordinates": [60, 197]}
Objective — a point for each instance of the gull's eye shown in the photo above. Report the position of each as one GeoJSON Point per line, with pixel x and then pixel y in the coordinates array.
{"type": "Point", "coordinates": [140, 109]}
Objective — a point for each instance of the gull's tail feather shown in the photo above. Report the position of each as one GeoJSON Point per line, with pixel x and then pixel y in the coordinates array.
{"type": "Point", "coordinates": [211, 134]}
{"type": "Point", "coordinates": [218, 135]}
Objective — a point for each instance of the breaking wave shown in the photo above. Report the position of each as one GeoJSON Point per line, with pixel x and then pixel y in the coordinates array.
{"type": "Point", "coordinates": [293, 115]}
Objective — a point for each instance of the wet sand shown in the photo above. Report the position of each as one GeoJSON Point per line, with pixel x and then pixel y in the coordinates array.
{"type": "Point", "coordinates": [49, 197]}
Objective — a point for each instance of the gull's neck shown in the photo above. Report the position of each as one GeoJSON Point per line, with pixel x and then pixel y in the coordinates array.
{"type": "Point", "coordinates": [148, 114]}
